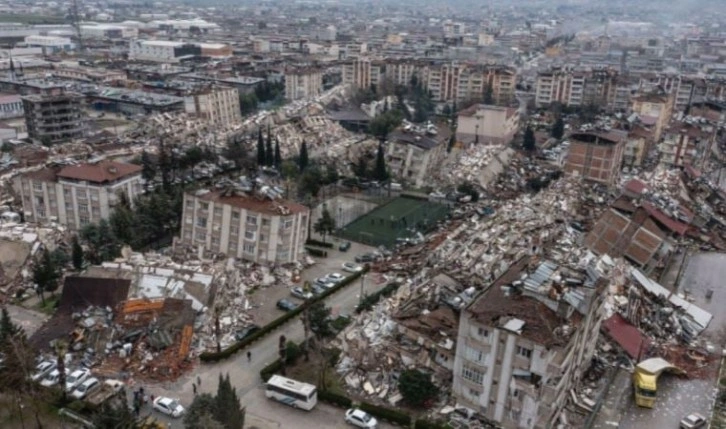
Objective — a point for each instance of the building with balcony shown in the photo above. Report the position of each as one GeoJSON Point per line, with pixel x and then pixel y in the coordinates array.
{"type": "Point", "coordinates": [526, 341]}
{"type": "Point", "coordinates": [414, 155]}
{"type": "Point", "coordinates": [303, 83]}
{"type": "Point", "coordinates": [54, 119]}
{"type": "Point", "coordinates": [252, 226]}
{"type": "Point", "coordinates": [687, 142]}
{"type": "Point", "coordinates": [484, 124]}
{"type": "Point", "coordinates": [654, 108]}
{"type": "Point", "coordinates": [596, 156]}
{"type": "Point", "coordinates": [218, 105]}
{"type": "Point", "coordinates": [77, 195]}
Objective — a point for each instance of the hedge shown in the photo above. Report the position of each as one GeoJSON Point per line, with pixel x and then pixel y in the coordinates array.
{"type": "Point", "coordinates": [335, 399]}
{"type": "Point", "coordinates": [317, 252]}
{"type": "Point", "coordinates": [371, 300]}
{"type": "Point", "coordinates": [270, 370]}
{"type": "Point", "coordinates": [388, 414]}
{"type": "Point", "coordinates": [426, 424]}
{"type": "Point", "coordinates": [234, 348]}
{"type": "Point", "coordinates": [313, 242]}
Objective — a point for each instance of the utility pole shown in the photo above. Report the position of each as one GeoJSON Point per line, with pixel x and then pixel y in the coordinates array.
{"type": "Point", "coordinates": [362, 287]}
{"type": "Point", "coordinates": [77, 25]}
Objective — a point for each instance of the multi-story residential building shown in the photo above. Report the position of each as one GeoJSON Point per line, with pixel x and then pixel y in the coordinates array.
{"type": "Point", "coordinates": [654, 108]}
{"type": "Point", "coordinates": [526, 341]}
{"type": "Point", "coordinates": [462, 82]}
{"type": "Point", "coordinates": [167, 51]}
{"type": "Point", "coordinates": [596, 156]}
{"type": "Point", "coordinates": [303, 83]}
{"type": "Point", "coordinates": [219, 105]}
{"type": "Point", "coordinates": [687, 142]}
{"type": "Point", "coordinates": [637, 145]}
{"type": "Point", "coordinates": [357, 73]}
{"type": "Point", "coordinates": [54, 118]}
{"type": "Point", "coordinates": [485, 124]}
{"type": "Point", "coordinates": [11, 106]}
{"type": "Point", "coordinates": [560, 86]}
{"type": "Point", "coordinates": [400, 72]}
{"type": "Point", "coordinates": [413, 156]}
{"type": "Point", "coordinates": [256, 228]}
{"type": "Point", "coordinates": [78, 194]}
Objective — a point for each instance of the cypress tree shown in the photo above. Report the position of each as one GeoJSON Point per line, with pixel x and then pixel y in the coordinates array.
{"type": "Point", "coordinates": [303, 159]}
{"type": "Point", "coordinates": [260, 148]}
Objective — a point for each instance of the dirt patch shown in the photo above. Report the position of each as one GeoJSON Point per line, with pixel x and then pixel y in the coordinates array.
{"type": "Point", "coordinates": [13, 255]}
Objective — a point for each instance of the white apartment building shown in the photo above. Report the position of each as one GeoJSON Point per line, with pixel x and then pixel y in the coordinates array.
{"type": "Point", "coordinates": [78, 194]}
{"type": "Point", "coordinates": [303, 83]}
{"type": "Point", "coordinates": [11, 106]}
{"type": "Point", "coordinates": [252, 227]}
{"type": "Point", "coordinates": [357, 73]}
{"type": "Point", "coordinates": [50, 44]}
{"type": "Point", "coordinates": [484, 124]}
{"type": "Point", "coordinates": [561, 86]}
{"type": "Point", "coordinates": [414, 156]}
{"type": "Point", "coordinates": [164, 51]}
{"type": "Point", "coordinates": [525, 341]}
{"type": "Point", "coordinates": [219, 105]}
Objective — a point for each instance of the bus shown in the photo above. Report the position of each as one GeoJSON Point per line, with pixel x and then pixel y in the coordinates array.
{"type": "Point", "coordinates": [291, 392]}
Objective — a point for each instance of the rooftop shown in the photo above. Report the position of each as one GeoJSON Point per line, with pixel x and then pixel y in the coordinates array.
{"type": "Point", "coordinates": [102, 172]}
{"type": "Point", "coordinates": [257, 204]}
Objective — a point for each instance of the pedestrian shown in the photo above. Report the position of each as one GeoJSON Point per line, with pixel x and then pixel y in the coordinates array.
{"type": "Point", "coordinates": [152, 399]}
{"type": "Point", "coordinates": [199, 381]}
{"type": "Point", "coordinates": [194, 388]}
{"type": "Point", "coordinates": [141, 392]}
{"type": "Point", "coordinates": [249, 356]}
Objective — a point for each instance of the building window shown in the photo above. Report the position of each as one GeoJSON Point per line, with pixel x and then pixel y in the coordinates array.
{"type": "Point", "coordinates": [235, 214]}
{"type": "Point", "coordinates": [262, 237]}
{"type": "Point", "coordinates": [189, 220]}
{"type": "Point", "coordinates": [83, 208]}
{"type": "Point", "coordinates": [200, 235]}
{"type": "Point", "coordinates": [473, 393]}
{"type": "Point", "coordinates": [249, 247]}
{"type": "Point", "coordinates": [202, 222]}
{"type": "Point", "coordinates": [233, 230]}
{"type": "Point", "coordinates": [251, 220]}
{"type": "Point", "coordinates": [524, 352]}
{"type": "Point", "coordinates": [218, 211]}
{"type": "Point", "coordinates": [83, 220]}
{"type": "Point", "coordinates": [250, 235]}
{"type": "Point", "coordinates": [483, 332]}
{"type": "Point", "coordinates": [265, 222]}
{"type": "Point", "coordinates": [287, 224]}
{"type": "Point", "coordinates": [473, 354]}
{"type": "Point", "coordinates": [472, 374]}
{"type": "Point", "coordinates": [38, 186]}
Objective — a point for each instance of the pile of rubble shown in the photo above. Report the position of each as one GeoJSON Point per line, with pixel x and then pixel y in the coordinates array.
{"type": "Point", "coordinates": [478, 164]}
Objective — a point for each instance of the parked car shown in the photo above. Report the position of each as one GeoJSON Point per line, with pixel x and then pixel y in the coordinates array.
{"type": "Point", "coordinates": [317, 289]}
{"type": "Point", "coordinates": [351, 267]}
{"type": "Point", "coordinates": [286, 305]}
{"type": "Point", "coordinates": [298, 292]}
{"type": "Point", "coordinates": [52, 378]}
{"type": "Point", "coordinates": [366, 257]}
{"type": "Point", "coordinates": [43, 369]}
{"type": "Point", "coordinates": [693, 421]}
{"type": "Point", "coordinates": [88, 386]}
{"type": "Point", "coordinates": [168, 406]}
{"type": "Point", "coordinates": [335, 278]}
{"type": "Point", "coordinates": [344, 246]}
{"type": "Point", "coordinates": [324, 282]}
{"type": "Point", "coordinates": [76, 378]}
{"type": "Point", "coordinates": [360, 418]}
{"type": "Point", "coordinates": [246, 332]}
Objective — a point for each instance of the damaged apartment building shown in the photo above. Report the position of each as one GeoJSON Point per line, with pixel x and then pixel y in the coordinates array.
{"type": "Point", "coordinates": [526, 341]}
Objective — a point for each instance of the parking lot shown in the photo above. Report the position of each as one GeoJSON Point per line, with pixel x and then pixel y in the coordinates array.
{"type": "Point", "coordinates": [266, 298]}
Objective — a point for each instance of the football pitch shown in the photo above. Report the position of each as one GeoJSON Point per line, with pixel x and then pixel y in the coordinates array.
{"type": "Point", "coordinates": [402, 217]}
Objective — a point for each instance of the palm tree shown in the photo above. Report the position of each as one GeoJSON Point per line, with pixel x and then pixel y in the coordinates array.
{"type": "Point", "coordinates": [61, 347]}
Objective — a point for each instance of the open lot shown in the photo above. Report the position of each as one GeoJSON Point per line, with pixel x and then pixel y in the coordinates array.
{"type": "Point", "coordinates": [399, 218]}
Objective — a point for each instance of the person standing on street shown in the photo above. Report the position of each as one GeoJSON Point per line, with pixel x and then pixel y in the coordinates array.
{"type": "Point", "coordinates": [249, 356]}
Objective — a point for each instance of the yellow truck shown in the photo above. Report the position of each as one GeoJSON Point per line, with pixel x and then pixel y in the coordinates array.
{"type": "Point", "coordinates": [645, 379]}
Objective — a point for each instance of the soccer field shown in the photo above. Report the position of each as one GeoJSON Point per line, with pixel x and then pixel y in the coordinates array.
{"type": "Point", "coordinates": [400, 218]}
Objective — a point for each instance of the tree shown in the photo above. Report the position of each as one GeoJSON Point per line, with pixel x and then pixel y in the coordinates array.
{"type": "Point", "coordinates": [227, 408]}
{"type": "Point", "coordinates": [7, 327]}
{"type": "Point", "coordinates": [488, 94]}
{"type": "Point", "coordinates": [558, 129]}
{"type": "Point", "coordinates": [165, 164]}
{"type": "Point", "coordinates": [529, 144]}
{"type": "Point", "coordinates": [46, 275]}
{"type": "Point", "coordinates": [319, 318]}
{"type": "Point", "coordinates": [77, 254]}
{"type": "Point", "coordinates": [236, 152]}
{"type": "Point", "coordinates": [416, 387]}
{"type": "Point", "coordinates": [303, 160]}
{"type": "Point", "coordinates": [202, 405]}
{"type": "Point", "coordinates": [113, 416]}
{"type": "Point", "coordinates": [123, 224]}
{"type": "Point", "coordinates": [360, 169]}
{"type": "Point", "coordinates": [278, 157]}
{"type": "Point", "coordinates": [379, 172]}
{"type": "Point", "coordinates": [61, 348]}
{"type": "Point", "coordinates": [325, 224]}
{"type": "Point", "coordinates": [102, 241]}
{"type": "Point", "coordinates": [248, 103]}
{"type": "Point", "coordinates": [148, 168]}
{"type": "Point", "coordinates": [269, 151]}
{"type": "Point", "coordinates": [261, 158]}
{"type": "Point", "coordinates": [331, 174]}
{"type": "Point", "coordinates": [384, 123]}
{"type": "Point", "coordinates": [310, 182]}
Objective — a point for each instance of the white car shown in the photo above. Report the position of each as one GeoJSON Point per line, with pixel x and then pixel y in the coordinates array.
{"type": "Point", "coordinates": [168, 406]}
{"type": "Point", "coordinates": [52, 378]}
{"type": "Point", "coordinates": [693, 421]}
{"type": "Point", "coordinates": [76, 378]}
{"type": "Point", "coordinates": [352, 267]}
{"type": "Point", "coordinates": [43, 369]}
{"type": "Point", "coordinates": [360, 418]}
{"type": "Point", "coordinates": [335, 277]}
{"type": "Point", "coordinates": [86, 387]}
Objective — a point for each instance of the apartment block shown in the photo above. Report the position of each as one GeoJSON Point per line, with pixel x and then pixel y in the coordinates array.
{"type": "Point", "coordinates": [484, 124]}
{"type": "Point", "coordinates": [596, 156]}
{"type": "Point", "coordinates": [526, 341]}
{"type": "Point", "coordinates": [654, 108]}
{"type": "Point", "coordinates": [560, 86]}
{"type": "Point", "coordinates": [303, 83]}
{"type": "Point", "coordinates": [219, 105]}
{"type": "Point", "coordinates": [463, 82]}
{"type": "Point", "coordinates": [76, 195]}
{"type": "Point", "coordinates": [413, 156]}
{"type": "Point", "coordinates": [54, 119]}
{"type": "Point", "coordinates": [357, 73]}
{"type": "Point", "coordinates": [250, 226]}
{"type": "Point", "coordinates": [400, 72]}
{"type": "Point", "coordinates": [687, 142]}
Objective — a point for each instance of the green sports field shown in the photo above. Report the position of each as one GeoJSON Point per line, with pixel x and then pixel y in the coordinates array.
{"type": "Point", "coordinates": [402, 217]}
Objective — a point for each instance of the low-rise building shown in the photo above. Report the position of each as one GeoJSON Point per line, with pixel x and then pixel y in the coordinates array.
{"type": "Point", "coordinates": [596, 156]}
{"type": "Point", "coordinates": [485, 124]}
{"type": "Point", "coordinates": [77, 195]}
{"type": "Point", "coordinates": [526, 341]}
{"type": "Point", "coordinates": [302, 83]}
{"type": "Point", "coordinates": [251, 226]}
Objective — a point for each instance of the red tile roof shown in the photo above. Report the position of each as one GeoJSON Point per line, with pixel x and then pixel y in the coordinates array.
{"type": "Point", "coordinates": [626, 335]}
{"type": "Point", "coordinates": [102, 172]}
{"type": "Point", "coordinates": [635, 186]}
{"type": "Point", "coordinates": [673, 225]}
{"type": "Point", "coordinates": [252, 203]}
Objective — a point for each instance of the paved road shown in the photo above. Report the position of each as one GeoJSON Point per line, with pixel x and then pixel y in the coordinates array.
{"type": "Point", "coordinates": [245, 375]}
{"type": "Point", "coordinates": [29, 320]}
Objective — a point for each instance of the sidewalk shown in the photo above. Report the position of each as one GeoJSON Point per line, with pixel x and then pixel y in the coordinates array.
{"type": "Point", "coordinates": [615, 402]}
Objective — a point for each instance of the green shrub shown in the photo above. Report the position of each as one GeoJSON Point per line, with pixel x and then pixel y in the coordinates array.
{"type": "Point", "coordinates": [388, 414]}
{"type": "Point", "coordinates": [335, 399]}
{"type": "Point", "coordinates": [426, 424]}
{"type": "Point", "coordinates": [292, 352]}
{"type": "Point", "coordinates": [313, 242]}
{"type": "Point", "coordinates": [234, 348]}
{"type": "Point", "coordinates": [339, 323]}
{"type": "Point", "coordinates": [270, 370]}
{"type": "Point", "coordinates": [317, 252]}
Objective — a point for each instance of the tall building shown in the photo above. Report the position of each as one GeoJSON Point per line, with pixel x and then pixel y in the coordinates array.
{"type": "Point", "coordinates": [596, 156]}
{"type": "Point", "coordinates": [654, 108]}
{"type": "Point", "coordinates": [560, 86]}
{"type": "Point", "coordinates": [219, 105]}
{"type": "Point", "coordinates": [687, 143]}
{"type": "Point", "coordinates": [78, 194]}
{"type": "Point", "coordinates": [254, 227]}
{"type": "Point", "coordinates": [54, 118]}
{"type": "Point", "coordinates": [526, 341]}
{"type": "Point", "coordinates": [303, 83]}
{"type": "Point", "coordinates": [357, 73]}
{"type": "Point", "coordinates": [483, 124]}
{"type": "Point", "coordinates": [463, 82]}
{"type": "Point", "coordinates": [414, 155]}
